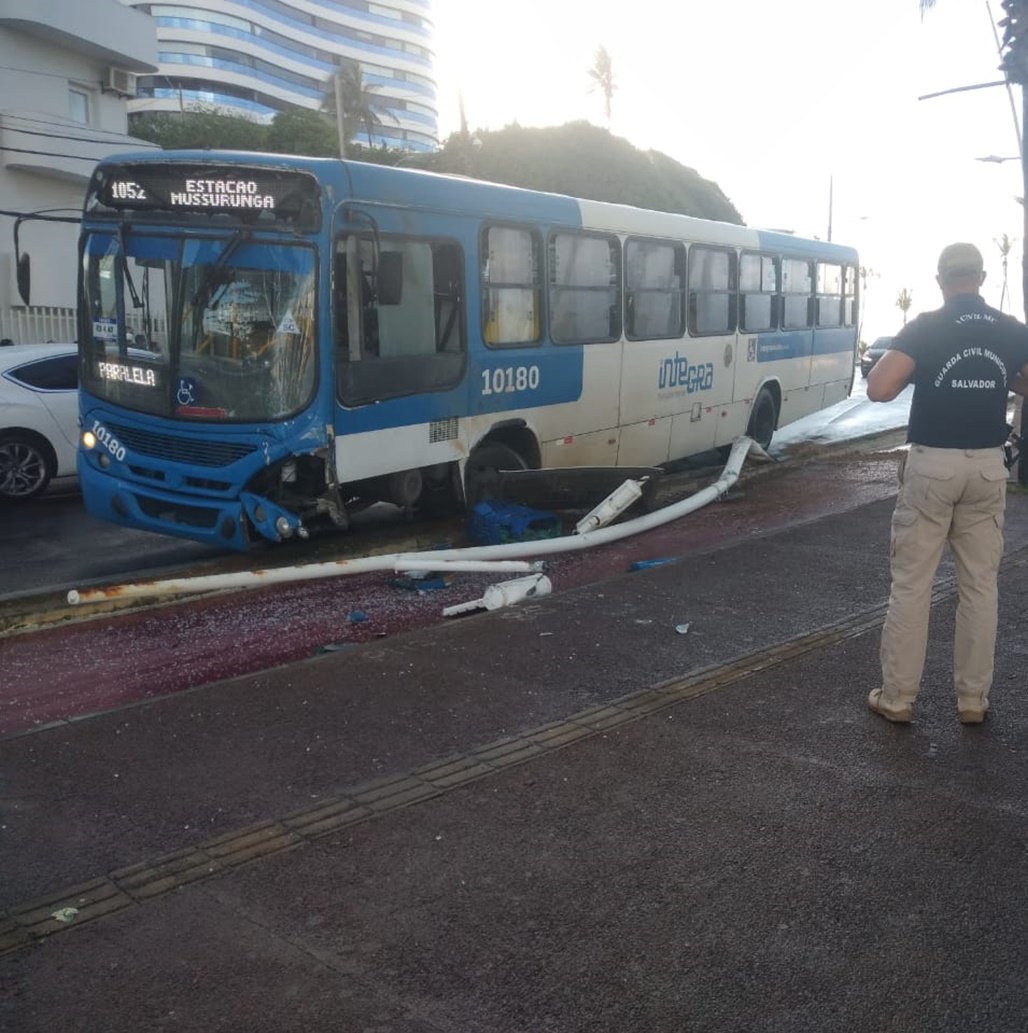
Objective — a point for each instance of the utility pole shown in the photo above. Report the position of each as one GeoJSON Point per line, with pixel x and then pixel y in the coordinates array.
{"type": "Point", "coordinates": [337, 84]}
{"type": "Point", "coordinates": [1014, 64]}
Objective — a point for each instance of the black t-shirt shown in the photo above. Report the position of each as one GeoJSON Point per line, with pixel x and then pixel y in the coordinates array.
{"type": "Point", "coordinates": [965, 355]}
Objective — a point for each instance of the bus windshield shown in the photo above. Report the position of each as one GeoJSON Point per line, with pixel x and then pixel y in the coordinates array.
{"type": "Point", "coordinates": [198, 328]}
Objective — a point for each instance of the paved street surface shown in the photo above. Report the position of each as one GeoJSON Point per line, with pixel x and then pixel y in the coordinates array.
{"type": "Point", "coordinates": [567, 815]}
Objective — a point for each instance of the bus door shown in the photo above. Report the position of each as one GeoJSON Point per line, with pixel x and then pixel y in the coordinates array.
{"type": "Point", "coordinates": [776, 320]}
{"type": "Point", "coordinates": [583, 287]}
{"type": "Point", "coordinates": [701, 378]}
{"type": "Point", "coordinates": [654, 349]}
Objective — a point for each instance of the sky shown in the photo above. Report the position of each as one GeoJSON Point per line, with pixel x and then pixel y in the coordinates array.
{"type": "Point", "coordinates": [802, 111]}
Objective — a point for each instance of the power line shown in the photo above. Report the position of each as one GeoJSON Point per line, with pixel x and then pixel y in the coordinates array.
{"type": "Point", "coordinates": [52, 154]}
{"type": "Point", "coordinates": [50, 122]}
{"type": "Point", "coordinates": [60, 136]}
{"type": "Point", "coordinates": [49, 75]}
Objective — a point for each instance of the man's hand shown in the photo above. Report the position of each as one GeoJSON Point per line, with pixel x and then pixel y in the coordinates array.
{"type": "Point", "coordinates": [891, 373]}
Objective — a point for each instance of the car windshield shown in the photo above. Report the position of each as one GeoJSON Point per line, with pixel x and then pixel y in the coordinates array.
{"type": "Point", "coordinates": [199, 328]}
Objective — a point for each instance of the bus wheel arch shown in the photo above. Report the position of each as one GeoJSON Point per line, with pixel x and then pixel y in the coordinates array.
{"type": "Point", "coordinates": [512, 447]}
{"type": "Point", "coordinates": [764, 414]}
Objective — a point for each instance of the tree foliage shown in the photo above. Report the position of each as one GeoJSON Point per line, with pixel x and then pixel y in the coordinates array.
{"type": "Point", "coordinates": [200, 128]}
{"type": "Point", "coordinates": [577, 159]}
{"type": "Point", "coordinates": [362, 107]}
{"type": "Point", "coordinates": [583, 160]}
{"type": "Point", "coordinates": [302, 131]}
{"type": "Point", "coordinates": [293, 131]}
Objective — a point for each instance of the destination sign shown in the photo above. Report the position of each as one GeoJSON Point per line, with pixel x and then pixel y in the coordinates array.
{"type": "Point", "coordinates": [198, 193]}
{"type": "Point", "coordinates": [127, 373]}
{"type": "Point", "coordinates": [247, 192]}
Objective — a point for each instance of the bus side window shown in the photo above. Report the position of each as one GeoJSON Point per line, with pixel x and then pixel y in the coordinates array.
{"type": "Point", "coordinates": [849, 298]}
{"type": "Point", "coordinates": [511, 278]}
{"type": "Point", "coordinates": [403, 314]}
{"type": "Point", "coordinates": [713, 280]}
{"type": "Point", "coordinates": [585, 288]}
{"type": "Point", "coordinates": [758, 293]}
{"type": "Point", "coordinates": [797, 291]}
{"type": "Point", "coordinates": [829, 294]}
{"type": "Point", "coordinates": [654, 289]}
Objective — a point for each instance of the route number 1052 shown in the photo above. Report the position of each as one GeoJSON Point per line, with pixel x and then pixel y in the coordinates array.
{"type": "Point", "coordinates": [507, 379]}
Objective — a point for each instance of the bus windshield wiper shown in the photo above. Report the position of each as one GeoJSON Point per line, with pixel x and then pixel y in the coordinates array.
{"type": "Point", "coordinates": [122, 237]}
{"type": "Point", "coordinates": [212, 277]}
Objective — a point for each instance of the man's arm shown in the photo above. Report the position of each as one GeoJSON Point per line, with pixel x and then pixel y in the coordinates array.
{"type": "Point", "coordinates": [1019, 382]}
{"type": "Point", "coordinates": [891, 373]}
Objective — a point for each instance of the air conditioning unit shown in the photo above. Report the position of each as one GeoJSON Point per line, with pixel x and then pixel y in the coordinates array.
{"type": "Point", "coordinates": [117, 80]}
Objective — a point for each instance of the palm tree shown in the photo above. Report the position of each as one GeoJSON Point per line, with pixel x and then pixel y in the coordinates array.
{"type": "Point", "coordinates": [361, 108]}
{"type": "Point", "coordinates": [904, 300]}
{"type": "Point", "coordinates": [602, 74]}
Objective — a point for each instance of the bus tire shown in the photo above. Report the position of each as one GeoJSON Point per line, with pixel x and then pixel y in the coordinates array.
{"type": "Point", "coordinates": [763, 418]}
{"type": "Point", "coordinates": [483, 467]}
{"type": "Point", "coordinates": [441, 494]}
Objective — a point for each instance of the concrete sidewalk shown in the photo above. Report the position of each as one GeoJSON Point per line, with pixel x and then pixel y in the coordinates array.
{"type": "Point", "coordinates": [562, 816]}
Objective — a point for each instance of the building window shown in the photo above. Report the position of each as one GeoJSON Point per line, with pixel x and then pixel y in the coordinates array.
{"type": "Point", "coordinates": [78, 105]}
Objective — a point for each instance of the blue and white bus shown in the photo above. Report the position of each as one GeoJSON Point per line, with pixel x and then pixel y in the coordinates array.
{"type": "Point", "coordinates": [268, 343]}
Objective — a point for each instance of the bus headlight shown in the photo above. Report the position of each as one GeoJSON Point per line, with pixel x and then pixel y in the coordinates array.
{"type": "Point", "coordinates": [88, 439]}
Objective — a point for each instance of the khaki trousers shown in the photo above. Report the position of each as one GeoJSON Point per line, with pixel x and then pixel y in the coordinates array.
{"type": "Point", "coordinates": [956, 496]}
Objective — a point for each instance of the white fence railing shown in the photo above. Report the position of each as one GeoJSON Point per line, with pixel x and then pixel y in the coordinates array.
{"type": "Point", "coordinates": [37, 323]}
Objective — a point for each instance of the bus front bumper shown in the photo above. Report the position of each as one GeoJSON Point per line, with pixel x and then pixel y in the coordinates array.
{"type": "Point", "coordinates": [222, 523]}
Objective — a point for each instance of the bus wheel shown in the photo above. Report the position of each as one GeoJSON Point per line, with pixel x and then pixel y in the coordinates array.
{"type": "Point", "coordinates": [441, 493]}
{"type": "Point", "coordinates": [481, 473]}
{"type": "Point", "coordinates": [763, 418]}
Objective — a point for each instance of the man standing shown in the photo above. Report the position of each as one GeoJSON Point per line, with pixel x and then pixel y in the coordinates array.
{"type": "Point", "coordinates": [963, 360]}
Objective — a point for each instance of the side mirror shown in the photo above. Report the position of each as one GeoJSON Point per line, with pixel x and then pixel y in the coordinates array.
{"type": "Point", "coordinates": [389, 280]}
{"type": "Point", "coordinates": [24, 274]}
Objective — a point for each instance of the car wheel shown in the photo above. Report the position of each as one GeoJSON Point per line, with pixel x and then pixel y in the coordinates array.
{"type": "Point", "coordinates": [26, 466]}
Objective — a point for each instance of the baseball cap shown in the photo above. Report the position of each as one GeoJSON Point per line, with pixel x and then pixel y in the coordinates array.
{"type": "Point", "coordinates": [959, 260]}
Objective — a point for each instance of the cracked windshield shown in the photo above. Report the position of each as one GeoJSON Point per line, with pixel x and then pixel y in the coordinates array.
{"type": "Point", "coordinates": [208, 329]}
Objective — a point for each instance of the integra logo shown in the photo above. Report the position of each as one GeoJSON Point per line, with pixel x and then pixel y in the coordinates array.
{"type": "Point", "coordinates": [678, 373]}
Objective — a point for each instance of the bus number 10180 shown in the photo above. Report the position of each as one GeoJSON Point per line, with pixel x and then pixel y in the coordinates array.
{"type": "Point", "coordinates": [507, 380]}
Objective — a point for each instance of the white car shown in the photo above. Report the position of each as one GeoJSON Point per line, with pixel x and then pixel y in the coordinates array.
{"type": "Point", "coordinates": [39, 417]}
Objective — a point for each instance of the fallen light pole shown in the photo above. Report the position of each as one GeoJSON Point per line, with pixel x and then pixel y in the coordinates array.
{"type": "Point", "coordinates": [483, 558]}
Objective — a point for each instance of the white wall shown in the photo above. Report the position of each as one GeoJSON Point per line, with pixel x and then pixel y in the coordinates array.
{"type": "Point", "coordinates": [48, 49]}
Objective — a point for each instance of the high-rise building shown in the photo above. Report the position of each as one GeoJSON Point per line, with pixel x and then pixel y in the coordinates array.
{"type": "Point", "coordinates": [258, 57]}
